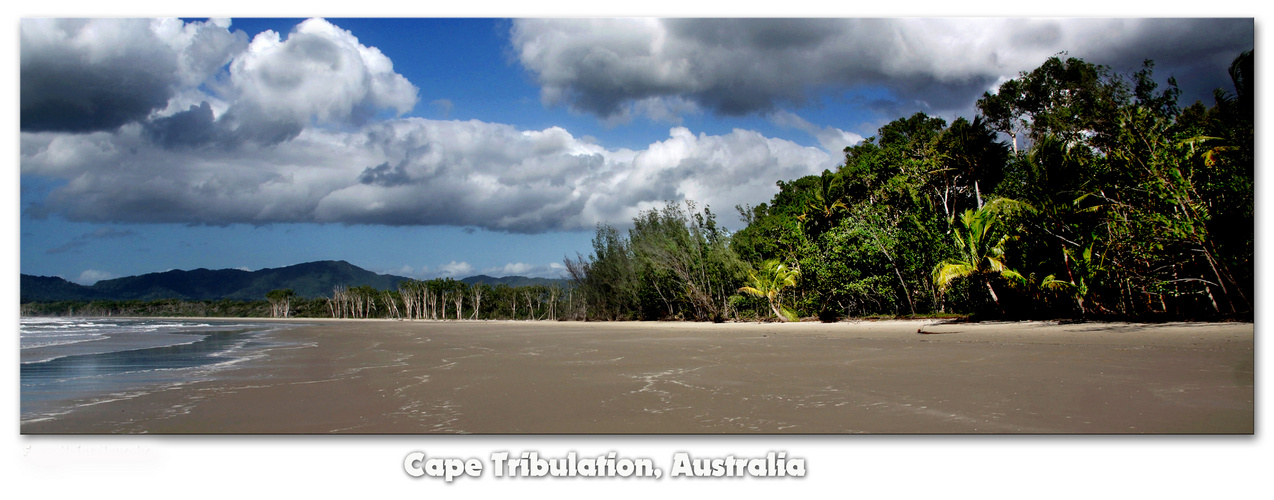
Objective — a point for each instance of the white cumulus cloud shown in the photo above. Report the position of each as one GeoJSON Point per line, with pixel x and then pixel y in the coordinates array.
{"type": "Point", "coordinates": [319, 72]}
{"type": "Point", "coordinates": [410, 171]}
{"type": "Point", "coordinates": [455, 269]}
{"type": "Point", "coordinates": [199, 85]}
{"type": "Point", "coordinates": [91, 276]}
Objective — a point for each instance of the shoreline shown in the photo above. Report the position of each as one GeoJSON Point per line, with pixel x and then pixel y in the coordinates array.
{"type": "Point", "coordinates": [131, 357]}
{"type": "Point", "coordinates": [385, 376]}
{"type": "Point", "coordinates": [805, 320]}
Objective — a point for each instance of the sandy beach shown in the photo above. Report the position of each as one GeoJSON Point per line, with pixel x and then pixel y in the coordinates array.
{"type": "Point", "coordinates": [403, 377]}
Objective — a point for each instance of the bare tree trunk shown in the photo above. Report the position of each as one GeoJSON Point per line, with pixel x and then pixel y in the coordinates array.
{"type": "Point", "coordinates": [905, 291]}
{"type": "Point", "coordinates": [1220, 282]}
{"type": "Point", "coordinates": [391, 305]}
{"type": "Point", "coordinates": [774, 306]}
{"type": "Point", "coordinates": [1208, 288]}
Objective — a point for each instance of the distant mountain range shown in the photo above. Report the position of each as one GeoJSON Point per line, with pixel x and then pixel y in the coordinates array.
{"type": "Point", "coordinates": [311, 279]}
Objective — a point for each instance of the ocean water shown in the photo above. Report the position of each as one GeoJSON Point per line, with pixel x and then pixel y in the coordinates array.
{"type": "Point", "coordinates": [70, 363]}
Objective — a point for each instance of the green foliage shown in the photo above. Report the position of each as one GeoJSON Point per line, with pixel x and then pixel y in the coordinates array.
{"type": "Point", "coordinates": [607, 281]}
{"type": "Point", "coordinates": [825, 204]}
{"type": "Point", "coordinates": [1128, 206]}
{"type": "Point", "coordinates": [674, 263]}
{"type": "Point", "coordinates": [280, 302]}
{"type": "Point", "coordinates": [1064, 97]}
{"type": "Point", "coordinates": [981, 239]}
{"type": "Point", "coordinates": [225, 308]}
{"type": "Point", "coordinates": [768, 282]}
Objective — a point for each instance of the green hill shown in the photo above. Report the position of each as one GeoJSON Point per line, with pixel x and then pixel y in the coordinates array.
{"type": "Point", "coordinates": [52, 288]}
{"type": "Point", "coordinates": [311, 279]}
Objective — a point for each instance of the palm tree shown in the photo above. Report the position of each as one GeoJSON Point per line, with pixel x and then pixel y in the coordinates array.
{"type": "Point", "coordinates": [981, 243]}
{"type": "Point", "coordinates": [971, 149]}
{"type": "Point", "coordinates": [773, 278]}
{"type": "Point", "coordinates": [826, 202]}
{"type": "Point", "coordinates": [1083, 269]}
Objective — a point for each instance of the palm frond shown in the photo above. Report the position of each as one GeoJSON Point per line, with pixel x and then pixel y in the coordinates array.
{"type": "Point", "coordinates": [951, 270]}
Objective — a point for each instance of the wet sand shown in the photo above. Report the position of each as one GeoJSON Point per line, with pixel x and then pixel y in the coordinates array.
{"type": "Point", "coordinates": [402, 377]}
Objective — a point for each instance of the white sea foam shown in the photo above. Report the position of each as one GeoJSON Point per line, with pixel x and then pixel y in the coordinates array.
{"type": "Point", "coordinates": [46, 339]}
{"type": "Point", "coordinates": [50, 390]}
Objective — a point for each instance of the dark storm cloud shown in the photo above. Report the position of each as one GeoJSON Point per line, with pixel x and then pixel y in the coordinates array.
{"type": "Point", "coordinates": [83, 75]}
{"type": "Point", "coordinates": [1195, 51]}
{"type": "Point", "coordinates": [192, 85]}
{"type": "Point", "coordinates": [191, 128]}
{"type": "Point", "coordinates": [56, 97]}
{"type": "Point", "coordinates": [769, 34]}
{"type": "Point", "coordinates": [199, 127]}
{"type": "Point", "coordinates": [612, 68]}
{"type": "Point", "coordinates": [384, 175]}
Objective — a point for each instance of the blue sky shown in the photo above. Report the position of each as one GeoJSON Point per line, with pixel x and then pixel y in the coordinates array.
{"type": "Point", "coordinates": [453, 147]}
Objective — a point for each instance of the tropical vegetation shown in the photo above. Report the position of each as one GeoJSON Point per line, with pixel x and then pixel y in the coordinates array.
{"type": "Point", "coordinates": [1075, 192]}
